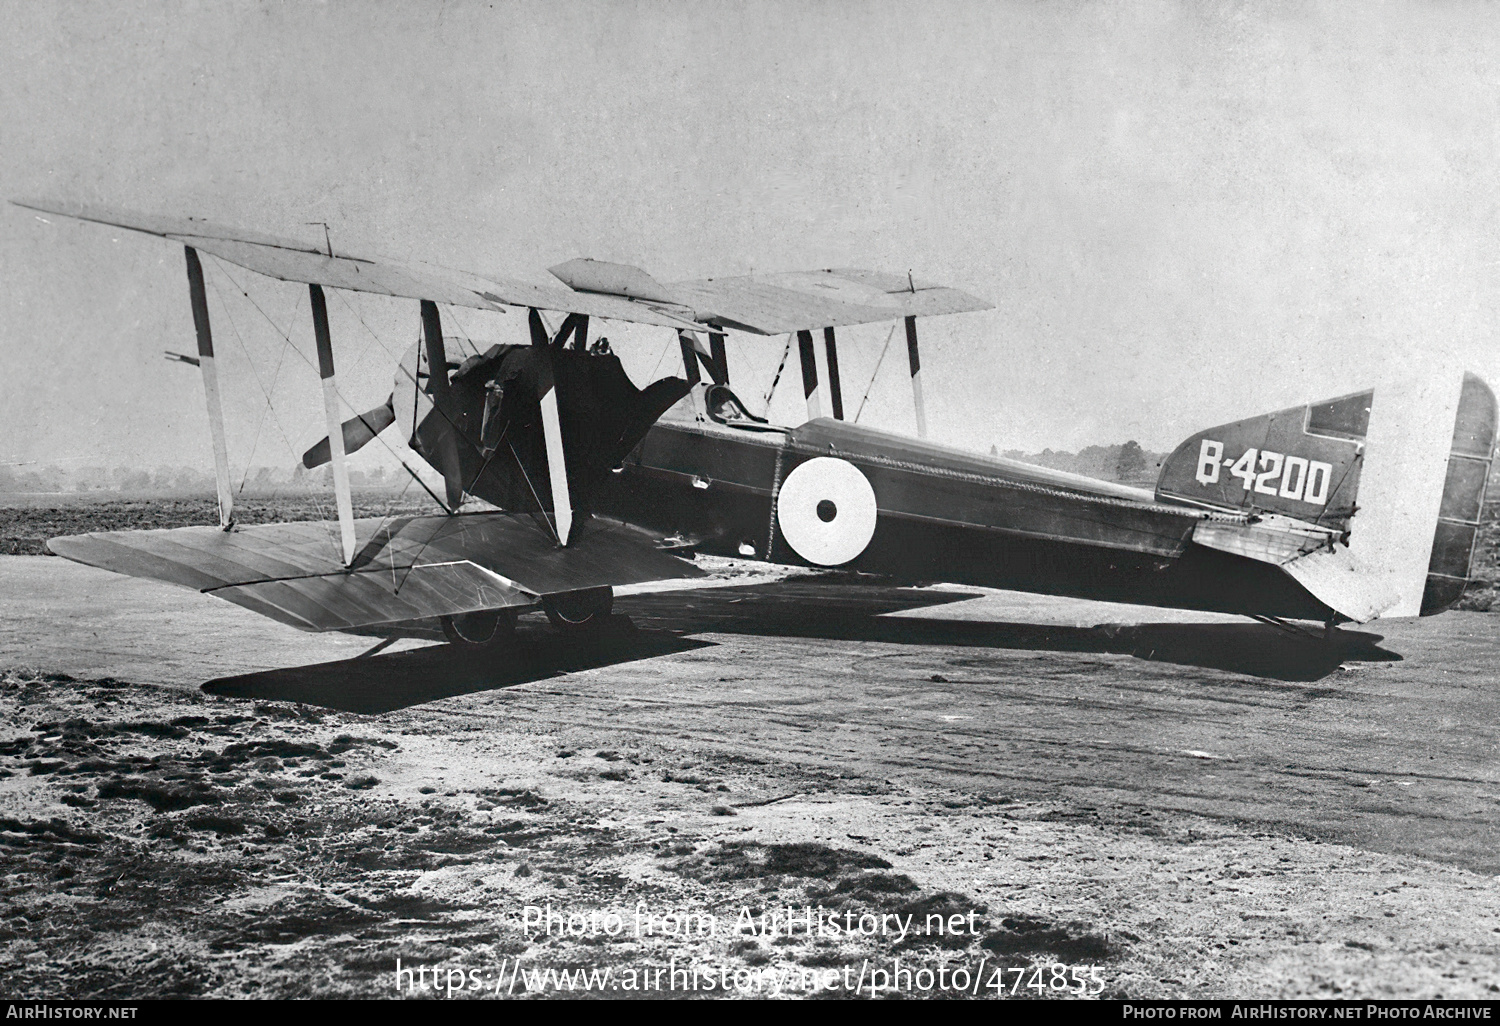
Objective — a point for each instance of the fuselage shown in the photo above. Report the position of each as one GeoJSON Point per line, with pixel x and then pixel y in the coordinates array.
{"type": "Point", "coordinates": [1231, 527]}
{"type": "Point", "coordinates": [939, 514]}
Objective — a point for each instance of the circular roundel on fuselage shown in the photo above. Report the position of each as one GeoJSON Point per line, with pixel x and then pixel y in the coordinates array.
{"type": "Point", "coordinates": [826, 509]}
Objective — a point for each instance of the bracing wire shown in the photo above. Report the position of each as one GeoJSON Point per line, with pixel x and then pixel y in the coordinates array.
{"type": "Point", "coordinates": [386, 445]}
{"type": "Point", "coordinates": [771, 392]}
{"type": "Point", "coordinates": [657, 365]}
{"type": "Point", "coordinates": [376, 339]}
{"type": "Point", "coordinates": [321, 508]}
{"type": "Point", "coordinates": [350, 307]}
{"type": "Point", "coordinates": [341, 395]}
{"type": "Point", "coordinates": [275, 377]}
{"type": "Point", "coordinates": [462, 331]}
{"type": "Point", "coordinates": [546, 327]}
{"type": "Point", "coordinates": [876, 374]}
{"type": "Point", "coordinates": [286, 338]}
{"type": "Point", "coordinates": [537, 498]}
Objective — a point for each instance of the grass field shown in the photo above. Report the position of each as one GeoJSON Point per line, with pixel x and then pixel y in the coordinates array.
{"type": "Point", "coordinates": [1482, 595]}
{"type": "Point", "coordinates": [27, 521]}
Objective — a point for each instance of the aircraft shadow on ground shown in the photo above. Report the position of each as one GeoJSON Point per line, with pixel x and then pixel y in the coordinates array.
{"type": "Point", "coordinates": [396, 680]}
{"type": "Point", "coordinates": [813, 610]}
{"type": "Point", "coordinates": [830, 609]}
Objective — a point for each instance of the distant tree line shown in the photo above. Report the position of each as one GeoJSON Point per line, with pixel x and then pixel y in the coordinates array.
{"type": "Point", "coordinates": [1127, 463]}
{"type": "Point", "coordinates": [183, 481]}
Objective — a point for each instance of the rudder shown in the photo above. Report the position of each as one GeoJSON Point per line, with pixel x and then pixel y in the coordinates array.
{"type": "Point", "coordinates": [1451, 567]}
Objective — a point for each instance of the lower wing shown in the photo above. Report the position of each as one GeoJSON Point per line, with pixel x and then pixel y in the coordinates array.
{"type": "Point", "coordinates": [405, 569]}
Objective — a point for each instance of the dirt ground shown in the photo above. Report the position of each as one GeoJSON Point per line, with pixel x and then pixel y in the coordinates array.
{"type": "Point", "coordinates": [1193, 805]}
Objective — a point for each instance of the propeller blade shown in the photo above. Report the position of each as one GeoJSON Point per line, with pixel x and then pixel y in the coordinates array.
{"type": "Point", "coordinates": [358, 431]}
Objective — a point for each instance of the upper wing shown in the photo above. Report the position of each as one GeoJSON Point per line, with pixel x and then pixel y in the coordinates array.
{"type": "Point", "coordinates": [290, 260]}
{"type": "Point", "coordinates": [773, 304]}
{"type": "Point", "coordinates": [765, 304]}
{"type": "Point", "coordinates": [406, 569]}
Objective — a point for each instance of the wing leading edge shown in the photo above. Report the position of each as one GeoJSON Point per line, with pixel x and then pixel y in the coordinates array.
{"type": "Point", "coordinates": [290, 260]}
{"type": "Point", "coordinates": [406, 568]}
{"type": "Point", "coordinates": [773, 304]}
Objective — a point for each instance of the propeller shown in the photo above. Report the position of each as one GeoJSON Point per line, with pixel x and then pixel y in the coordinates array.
{"type": "Point", "coordinates": [358, 432]}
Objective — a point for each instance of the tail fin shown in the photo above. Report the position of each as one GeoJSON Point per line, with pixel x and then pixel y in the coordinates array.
{"type": "Point", "coordinates": [1302, 463]}
{"type": "Point", "coordinates": [1395, 477]}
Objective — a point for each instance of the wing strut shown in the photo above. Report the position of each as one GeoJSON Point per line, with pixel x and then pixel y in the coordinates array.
{"type": "Point", "coordinates": [335, 423]}
{"type": "Point", "coordinates": [720, 369]}
{"type": "Point", "coordinates": [915, 359]}
{"type": "Point", "coordinates": [576, 326]}
{"type": "Point", "coordinates": [690, 356]}
{"type": "Point", "coordinates": [437, 356]}
{"type": "Point", "coordinates": [809, 359]}
{"type": "Point", "coordinates": [438, 387]}
{"type": "Point", "coordinates": [557, 467]}
{"type": "Point", "coordinates": [205, 363]}
{"type": "Point", "coordinates": [835, 386]}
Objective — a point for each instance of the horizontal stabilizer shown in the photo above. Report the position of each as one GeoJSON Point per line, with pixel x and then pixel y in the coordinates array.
{"type": "Point", "coordinates": [406, 568]}
{"type": "Point", "coordinates": [1271, 539]}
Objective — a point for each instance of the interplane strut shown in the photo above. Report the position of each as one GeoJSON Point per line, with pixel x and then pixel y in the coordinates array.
{"type": "Point", "coordinates": [341, 494]}
{"type": "Point", "coordinates": [210, 386]}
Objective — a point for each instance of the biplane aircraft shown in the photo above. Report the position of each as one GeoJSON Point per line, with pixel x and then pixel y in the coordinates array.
{"type": "Point", "coordinates": [1362, 506]}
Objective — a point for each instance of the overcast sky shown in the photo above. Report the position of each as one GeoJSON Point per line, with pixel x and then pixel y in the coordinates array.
{"type": "Point", "coordinates": [1184, 213]}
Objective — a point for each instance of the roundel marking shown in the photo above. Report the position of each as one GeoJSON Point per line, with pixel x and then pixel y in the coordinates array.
{"type": "Point", "coordinates": [826, 509]}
